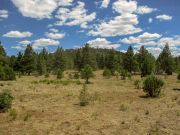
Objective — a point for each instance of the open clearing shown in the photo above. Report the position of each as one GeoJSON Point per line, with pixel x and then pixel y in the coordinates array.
{"type": "Point", "coordinates": [117, 108]}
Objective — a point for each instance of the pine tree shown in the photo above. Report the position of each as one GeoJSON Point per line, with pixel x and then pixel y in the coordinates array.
{"type": "Point", "coordinates": [87, 72]}
{"type": "Point", "coordinates": [165, 60]}
{"type": "Point", "coordinates": [28, 60]}
{"type": "Point", "coordinates": [100, 60]}
{"type": "Point", "coordinates": [59, 59]}
{"type": "Point", "coordinates": [146, 62]}
{"type": "Point", "coordinates": [78, 60]}
{"type": "Point", "coordinates": [42, 62]}
{"type": "Point", "coordinates": [129, 62]}
{"type": "Point", "coordinates": [3, 59]}
{"type": "Point", "coordinates": [87, 57]}
{"type": "Point", "coordinates": [18, 65]}
{"type": "Point", "coordinates": [112, 61]}
{"type": "Point", "coordinates": [2, 50]}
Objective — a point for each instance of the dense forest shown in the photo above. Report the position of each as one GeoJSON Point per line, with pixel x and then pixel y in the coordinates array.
{"type": "Point", "coordinates": [30, 62]}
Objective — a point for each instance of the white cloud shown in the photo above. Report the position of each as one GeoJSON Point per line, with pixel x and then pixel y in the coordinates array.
{"type": "Point", "coordinates": [102, 43]}
{"type": "Point", "coordinates": [37, 44]}
{"type": "Point", "coordinates": [120, 25]}
{"type": "Point", "coordinates": [25, 42]}
{"type": "Point", "coordinates": [154, 50]}
{"type": "Point", "coordinates": [105, 3]}
{"type": "Point", "coordinates": [142, 39]}
{"type": "Point", "coordinates": [39, 9]}
{"type": "Point", "coordinates": [124, 6]}
{"type": "Point", "coordinates": [55, 35]}
{"type": "Point", "coordinates": [75, 16]}
{"type": "Point", "coordinates": [123, 24]}
{"type": "Point", "coordinates": [54, 30]}
{"type": "Point", "coordinates": [3, 14]}
{"type": "Point", "coordinates": [18, 47]}
{"type": "Point", "coordinates": [44, 42]}
{"type": "Point", "coordinates": [18, 34]}
{"type": "Point", "coordinates": [164, 17]}
{"type": "Point", "coordinates": [172, 41]}
{"type": "Point", "coordinates": [150, 20]}
{"type": "Point", "coordinates": [145, 10]}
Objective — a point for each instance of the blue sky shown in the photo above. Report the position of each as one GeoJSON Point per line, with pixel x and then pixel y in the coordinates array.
{"type": "Point", "coordinates": [101, 23]}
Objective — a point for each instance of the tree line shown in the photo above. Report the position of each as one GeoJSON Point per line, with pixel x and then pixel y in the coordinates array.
{"type": "Point", "coordinates": [30, 62]}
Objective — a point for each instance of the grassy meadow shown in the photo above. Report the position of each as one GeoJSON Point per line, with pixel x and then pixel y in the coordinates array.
{"type": "Point", "coordinates": [45, 106]}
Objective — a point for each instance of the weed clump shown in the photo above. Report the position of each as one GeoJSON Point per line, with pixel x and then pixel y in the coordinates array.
{"type": "Point", "coordinates": [137, 84]}
{"type": "Point", "coordinates": [5, 100]}
{"type": "Point", "coordinates": [123, 108]}
{"type": "Point", "coordinates": [59, 74]}
{"type": "Point", "coordinates": [152, 86]}
{"type": "Point", "coordinates": [107, 73]}
{"type": "Point", "coordinates": [123, 74]}
{"type": "Point", "coordinates": [13, 114]}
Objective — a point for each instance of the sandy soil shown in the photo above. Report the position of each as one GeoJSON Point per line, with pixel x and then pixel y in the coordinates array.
{"type": "Point", "coordinates": [117, 108]}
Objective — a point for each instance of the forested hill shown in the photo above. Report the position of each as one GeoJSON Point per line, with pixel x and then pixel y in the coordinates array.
{"type": "Point", "coordinates": [29, 61]}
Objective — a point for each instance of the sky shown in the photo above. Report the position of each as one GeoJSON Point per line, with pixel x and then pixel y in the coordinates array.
{"type": "Point", "coordinates": [100, 23]}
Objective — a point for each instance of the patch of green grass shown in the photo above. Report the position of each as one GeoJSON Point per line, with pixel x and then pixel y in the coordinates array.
{"type": "Point", "coordinates": [55, 82]}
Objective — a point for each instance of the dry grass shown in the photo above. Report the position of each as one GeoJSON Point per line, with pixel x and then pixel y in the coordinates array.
{"type": "Point", "coordinates": [117, 108]}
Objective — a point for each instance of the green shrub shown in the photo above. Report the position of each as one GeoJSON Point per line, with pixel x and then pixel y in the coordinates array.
{"type": "Point", "coordinates": [5, 100]}
{"type": "Point", "coordinates": [59, 74]}
{"type": "Point", "coordinates": [178, 76]}
{"type": "Point", "coordinates": [84, 96]}
{"type": "Point", "coordinates": [46, 75]}
{"type": "Point", "coordinates": [86, 73]}
{"type": "Point", "coordinates": [2, 74]}
{"type": "Point", "coordinates": [152, 86]}
{"type": "Point", "coordinates": [9, 73]}
{"type": "Point", "coordinates": [123, 74]}
{"type": "Point", "coordinates": [129, 75]}
{"type": "Point", "coordinates": [107, 73]}
{"type": "Point", "coordinates": [137, 84]}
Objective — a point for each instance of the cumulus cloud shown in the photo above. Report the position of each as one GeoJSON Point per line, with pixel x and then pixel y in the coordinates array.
{"type": "Point", "coordinates": [36, 44]}
{"type": "Point", "coordinates": [39, 9]}
{"type": "Point", "coordinates": [54, 30]}
{"type": "Point", "coordinates": [164, 17]}
{"type": "Point", "coordinates": [121, 25]}
{"type": "Point", "coordinates": [25, 42]}
{"type": "Point", "coordinates": [102, 43]}
{"type": "Point", "coordinates": [105, 3]}
{"type": "Point", "coordinates": [55, 35]}
{"type": "Point", "coordinates": [3, 14]}
{"type": "Point", "coordinates": [154, 50]}
{"type": "Point", "coordinates": [145, 10]}
{"type": "Point", "coordinates": [18, 34]}
{"type": "Point", "coordinates": [124, 6]}
{"type": "Point", "coordinates": [18, 47]}
{"type": "Point", "coordinates": [142, 39]}
{"type": "Point", "coordinates": [75, 16]}
{"type": "Point", "coordinates": [44, 42]}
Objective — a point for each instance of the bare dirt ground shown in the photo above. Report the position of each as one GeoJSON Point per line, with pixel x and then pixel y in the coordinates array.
{"type": "Point", "coordinates": [117, 109]}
